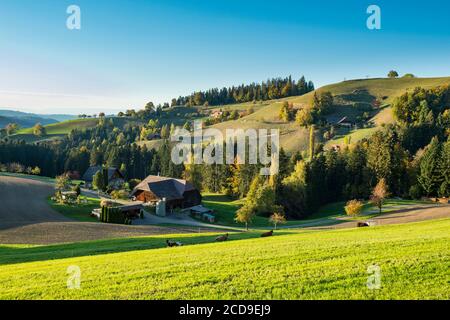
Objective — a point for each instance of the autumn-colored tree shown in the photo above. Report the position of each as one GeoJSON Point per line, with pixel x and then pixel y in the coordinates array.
{"type": "Point", "coordinates": [11, 128]}
{"type": "Point", "coordinates": [353, 207]}
{"type": "Point", "coordinates": [304, 117]}
{"type": "Point", "coordinates": [277, 218]}
{"type": "Point", "coordinates": [62, 182]}
{"type": "Point", "coordinates": [379, 194]}
{"type": "Point", "coordinates": [245, 215]}
{"type": "Point", "coordinates": [393, 74]}
{"type": "Point", "coordinates": [285, 112]}
{"type": "Point", "coordinates": [39, 130]}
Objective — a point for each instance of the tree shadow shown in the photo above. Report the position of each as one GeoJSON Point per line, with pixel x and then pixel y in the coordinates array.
{"type": "Point", "coordinates": [12, 254]}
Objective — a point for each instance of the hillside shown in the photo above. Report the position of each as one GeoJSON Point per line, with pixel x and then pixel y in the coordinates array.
{"type": "Point", "coordinates": [53, 117]}
{"type": "Point", "coordinates": [352, 98]}
{"type": "Point", "coordinates": [412, 258]}
{"type": "Point", "coordinates": [61, 129]}
{"type": "Point", "coordinates": [24, 122]}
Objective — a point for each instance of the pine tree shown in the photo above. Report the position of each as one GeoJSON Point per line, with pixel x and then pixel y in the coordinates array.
{"type": "Point", "coordinates": [430, 177]}
{"type": "Point", "coordinates": [312, 142]}
{"type": "Point", "coordinates": [444, 168]}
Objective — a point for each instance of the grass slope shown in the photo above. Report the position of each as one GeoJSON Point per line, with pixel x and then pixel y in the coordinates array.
{"type": "Point", "coordinates": [61, 129]}
{"type": "Point", "coordinates": [347, 94]}
{"type": "Point", "coordinates": [79, 212]}
{"type": "Point", "coordinates": [65, 127]}
{"type": "Point", "coordinates": [413, 258]}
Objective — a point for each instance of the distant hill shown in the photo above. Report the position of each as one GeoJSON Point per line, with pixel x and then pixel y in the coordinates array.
{"type": "Point", "coordinates": [352, 99]}
{"type": "Point", "coordinates": [28, 118]}
{"type": "Point", "coordinates": [24, 121]}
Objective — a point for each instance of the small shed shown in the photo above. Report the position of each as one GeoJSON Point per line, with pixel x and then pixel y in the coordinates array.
{"type": "Point", "coordinates": [344, 122]}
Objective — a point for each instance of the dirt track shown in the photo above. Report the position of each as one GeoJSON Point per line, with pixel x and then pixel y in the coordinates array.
{"type": "Point", "coordinates": [26, 218]}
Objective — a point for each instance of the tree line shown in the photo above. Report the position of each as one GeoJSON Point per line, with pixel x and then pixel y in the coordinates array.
{"type": "Point", "coordinates": [274, 88]}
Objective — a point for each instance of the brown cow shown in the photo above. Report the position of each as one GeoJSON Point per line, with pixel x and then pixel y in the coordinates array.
{"type": "Point", "coordinates": [267, 234]}
{"type": "Point", "coordinates": [222, 238]}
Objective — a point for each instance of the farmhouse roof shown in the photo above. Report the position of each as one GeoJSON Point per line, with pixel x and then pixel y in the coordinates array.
{"type": "Point", "coordinates": [164, 187]}
{"type": "Point", "coordinates": [91, 171]}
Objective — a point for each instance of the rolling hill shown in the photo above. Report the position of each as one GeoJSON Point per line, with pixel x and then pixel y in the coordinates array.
{"type": "Point", "coordinates": [352, 98]}
{"type": "Point", "coordinates": [59, 130]}
{"type": "Point", "coordinates": [24, 122]}
{"type": "Point", "coordinates": [412, 259]}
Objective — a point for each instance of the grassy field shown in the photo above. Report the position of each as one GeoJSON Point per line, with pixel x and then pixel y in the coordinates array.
{"type": "Point", "coordinates": [59, 130]}
{"type": "Point", "coordinates": [413, 260]}
{"type": "Point", "coordinates": [225, 210]}
{"type": "Point", "coordinates": [369, 210]}
{"type": "Point", "coordinates": [79, 212]}
{"type": "Point", "coordinates": [63, 128]}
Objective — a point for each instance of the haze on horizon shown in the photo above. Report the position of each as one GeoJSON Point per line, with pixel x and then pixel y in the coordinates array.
{"type": "Point", "coordinates": [127, 54]}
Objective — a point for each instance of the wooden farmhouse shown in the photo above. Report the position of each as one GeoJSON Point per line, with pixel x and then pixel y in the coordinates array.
{"type": "Point", "coordinates": [176, 192]}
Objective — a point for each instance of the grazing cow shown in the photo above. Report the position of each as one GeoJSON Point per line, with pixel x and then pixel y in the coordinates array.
{"type": "Point", "coordinates": [171, 243]}
{"type": "Point", "coordinates": [362, 224]}
{"type": "Point", "coordinates": [267, 234]}
{"type": "Point", "coordinates": [222, 238]}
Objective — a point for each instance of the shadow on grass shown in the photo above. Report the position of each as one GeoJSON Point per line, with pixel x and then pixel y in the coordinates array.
{"type": "Point", "coordinates": [12, 254]}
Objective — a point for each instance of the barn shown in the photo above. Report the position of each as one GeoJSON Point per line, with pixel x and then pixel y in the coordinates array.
{"type": "Point", "coordinates": [177, 193]}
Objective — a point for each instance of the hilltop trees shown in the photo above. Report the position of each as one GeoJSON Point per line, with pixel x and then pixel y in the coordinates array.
{"type": "Point", "coordinates": [393, 74]}
{"type": "Point", "coordinates": [271, 89]}
{"type": "Point", "coordinates": [424, 108]}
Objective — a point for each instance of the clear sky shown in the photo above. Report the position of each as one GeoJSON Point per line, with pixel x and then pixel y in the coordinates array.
{"type": "Point", "coordinates": [131, 52]}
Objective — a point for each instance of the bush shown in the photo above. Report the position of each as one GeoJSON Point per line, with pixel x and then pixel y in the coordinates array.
{"type": "Point", "coordinates": [415, 192]}
{"type": "Point", "coordinates": [119, 194]}
{"type": "Point", "coordinates": [133, 183]}
{"type": "Point", "coordinates": [106, 203]}
{"type": "Point", "coordinates": [113, 215]}
{"type": "Point", "coordinates": [353, 207]}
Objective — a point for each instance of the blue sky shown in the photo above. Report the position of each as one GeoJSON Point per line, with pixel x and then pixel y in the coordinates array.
{"type": "Point", "coordinates": [131, 52]}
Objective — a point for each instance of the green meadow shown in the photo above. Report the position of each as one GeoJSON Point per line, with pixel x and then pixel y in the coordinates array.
{"type": "Point", "coordinates": [413, 260]}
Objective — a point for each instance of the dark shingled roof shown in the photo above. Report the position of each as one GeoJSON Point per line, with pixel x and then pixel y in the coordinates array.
{"type": "Point", "coordinates": [88, 176]}
{"type": "Point", "coordinates": [164, 187]}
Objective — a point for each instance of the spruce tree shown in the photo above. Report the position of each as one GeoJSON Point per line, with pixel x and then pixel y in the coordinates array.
{"type": "Point", "coordinates": [430, 177]}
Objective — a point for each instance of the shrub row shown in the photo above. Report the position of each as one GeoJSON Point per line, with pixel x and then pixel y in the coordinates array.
{"type": "Point", "coordinates": [114, 215]}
